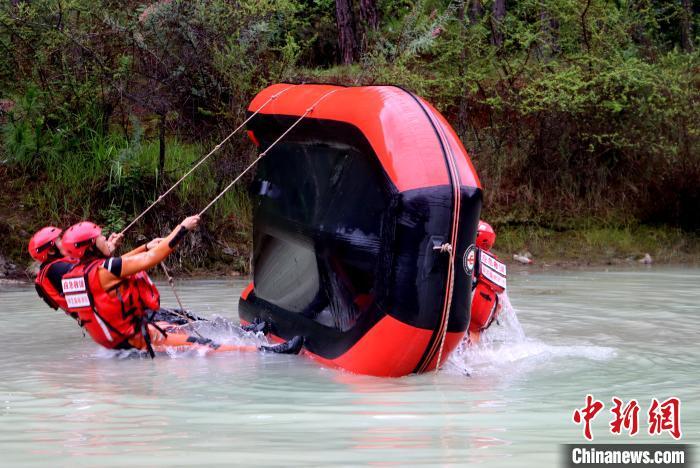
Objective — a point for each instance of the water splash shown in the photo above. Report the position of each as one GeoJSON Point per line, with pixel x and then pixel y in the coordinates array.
{"type": "Point", "coordinates": [224, 331]}
{"type": "Point", "coordinates": [505, 346]}
{"type": "Point", "coordinates": [217, 328]}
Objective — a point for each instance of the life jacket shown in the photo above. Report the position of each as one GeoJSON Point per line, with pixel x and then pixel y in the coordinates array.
{"type": "Point", "coordinates": [46, 290]}
{"type": "Point", "coordinates": [489, 282]}
{"type": "Point", "coordinates": [109, 320]}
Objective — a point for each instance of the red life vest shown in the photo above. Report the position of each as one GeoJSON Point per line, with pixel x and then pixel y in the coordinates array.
{"type": "Point", "coordinates": [490, 277]}
{"type": "Point", "coordinates": [110, 320]}
{"type": "Point", "coordinates": [46, 290]}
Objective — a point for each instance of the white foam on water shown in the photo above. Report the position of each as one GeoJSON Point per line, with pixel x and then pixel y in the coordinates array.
{"type": "Point", "coordinates": [505, 346]}
{"type": "Point", "coordinates": [224, 331]}
{"type": "Point", "coordinates": [218, 329]}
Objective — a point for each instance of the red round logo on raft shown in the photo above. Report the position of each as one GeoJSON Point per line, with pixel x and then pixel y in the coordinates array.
{"type": "Point", "coordinates": [469, 259]}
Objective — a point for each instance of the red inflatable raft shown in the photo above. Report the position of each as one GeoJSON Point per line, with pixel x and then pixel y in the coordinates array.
{"type": "Point", "coordinates": [365, 217]}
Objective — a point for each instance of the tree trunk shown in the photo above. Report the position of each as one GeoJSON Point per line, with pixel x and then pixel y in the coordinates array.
{"type": "Point", "coordinates": [369, 14]}
{"type": "Point", "coordinates": [161, 148]}
{"type": "Point", "coordinates": [107, 111]}
{"type": "Point", "coordinates": [549, 27]}
{"type": "Point", "coordinates": [369, 19]}
{"type": "Point", "coordinates": [476, 11]}
{"type": "Point", "coordinates": [498, 13]}
{"type": "Point", "coordinates": [687, 25]}
{"type": "Point", "coordinates": [639, 33]}
{"type": "Point", "coordinates": [346, 30]}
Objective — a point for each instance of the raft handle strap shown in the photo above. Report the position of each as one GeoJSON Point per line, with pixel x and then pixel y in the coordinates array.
{"type": "Point", "coordinates": [446, 247]}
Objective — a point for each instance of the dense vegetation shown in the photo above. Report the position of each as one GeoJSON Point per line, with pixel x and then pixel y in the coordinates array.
{"type": "Point", "coordinates": [578, 114]}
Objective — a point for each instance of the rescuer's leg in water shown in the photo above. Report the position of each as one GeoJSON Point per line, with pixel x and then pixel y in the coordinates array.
{"type": "Point", "coordinates": [165, 335]}
{"type": "Point", "coordinates": [176, 316]}
{"type": "Point", "coordinates": [292, 346]}
{"type": "Point", "coordinates": [257, 326]}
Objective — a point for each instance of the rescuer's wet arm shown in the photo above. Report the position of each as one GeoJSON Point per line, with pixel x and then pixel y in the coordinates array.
{"type": "Point", "coordinates": [130, 264]}
{"type": "Point", "coordinates": [146, 260]}
{"type": "Point", "coordinates": [136, 251]}
{"type": "Point", "coordinates": [115, 240]}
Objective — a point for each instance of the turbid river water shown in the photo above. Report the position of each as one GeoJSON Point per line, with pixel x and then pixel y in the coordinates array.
{"type": "Point", "coordinates": [507, 402]}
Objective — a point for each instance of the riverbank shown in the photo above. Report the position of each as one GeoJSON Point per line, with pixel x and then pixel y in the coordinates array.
{"type": "Point", "coordinates": [598, 245]}
{"type": "Point", "coordinates": [549, 249]}
{"type": "Point", "coordinates": [224, 249]}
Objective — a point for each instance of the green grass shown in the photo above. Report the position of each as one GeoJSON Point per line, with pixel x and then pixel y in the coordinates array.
{"type": "Point", "coordinates": [115, 178]}
{"type": "Point", "coordinates": [597, 245]}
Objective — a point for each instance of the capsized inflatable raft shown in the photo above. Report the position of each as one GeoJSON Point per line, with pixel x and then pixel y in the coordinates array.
{"type": "Point", "coordinates": [365, 216]}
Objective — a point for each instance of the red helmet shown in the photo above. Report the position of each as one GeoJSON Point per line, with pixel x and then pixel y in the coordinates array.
{"type": "Point", "coordinates": [485, 236]}
{"type": "Point", "coordinates": [42, 241]}
{"type": "Point", "coordinates": [79, 237]}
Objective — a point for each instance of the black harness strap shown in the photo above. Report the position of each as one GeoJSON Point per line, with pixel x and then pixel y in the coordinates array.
{"type": "Point", "coordinates": [147, 339]}
{"type": "Point", "coordinates": [147, 336]}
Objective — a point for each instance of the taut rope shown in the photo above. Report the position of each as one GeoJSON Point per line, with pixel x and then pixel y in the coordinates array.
{"type": "Point", "coordinates": [228, 187]}
{"type": "Point", "coordinates": [171, 282]}
{"type": "Point", "coordinates": [201, 161]}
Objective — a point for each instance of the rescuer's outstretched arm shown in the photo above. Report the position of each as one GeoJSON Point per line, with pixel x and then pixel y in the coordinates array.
{"type": "Point", "coordinates": [133, 262]}
{"type": "Point", "coordinates": [115, 240]}
{"type": "Point", "coordinates": [144, 248]}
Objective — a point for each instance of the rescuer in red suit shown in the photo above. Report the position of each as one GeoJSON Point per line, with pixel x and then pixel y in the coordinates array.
{"type": "Point", "coordinates": [44, 247]}
{"type": "Point", "coordinates": [113, 296]}
{"type": "Point", "coordinates": [485, 301]}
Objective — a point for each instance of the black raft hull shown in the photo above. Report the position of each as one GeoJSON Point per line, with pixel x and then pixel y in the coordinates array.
{"type": "Point", "coordinates": [365, 215]}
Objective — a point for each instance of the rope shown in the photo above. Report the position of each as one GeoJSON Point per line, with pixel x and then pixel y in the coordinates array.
{"type": "Point", "coordinates": [171, 282]}
{"type": "Point", "coordinates": [445, 248]}
{"type": "Point", "coordinates": [444, 335]}
{"type": "Point", "coordinates": [201, 161]}
{"type": "Point", "coordinates": [228, 187]}
{"type": "Point", "coordinates": [184, 315]}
